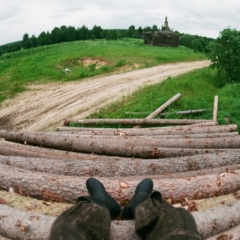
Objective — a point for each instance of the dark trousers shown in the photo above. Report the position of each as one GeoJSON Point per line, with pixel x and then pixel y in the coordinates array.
{"type": "Point", "coordinates": [153, 221]}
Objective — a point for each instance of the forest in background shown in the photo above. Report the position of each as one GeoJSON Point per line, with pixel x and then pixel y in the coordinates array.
{"type": "Point", "coordinates": [70, 33]}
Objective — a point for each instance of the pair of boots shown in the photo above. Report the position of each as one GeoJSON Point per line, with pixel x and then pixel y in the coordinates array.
{"type": "Point", "coordinates": [90, 218]}
{"type": "Point", "coordinates": [99, 196]}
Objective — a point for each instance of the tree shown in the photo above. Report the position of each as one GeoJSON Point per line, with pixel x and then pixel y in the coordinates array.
{"type": "Point", "coordinates": [111, 35]}
{"type": "Point", "coordinates": [34, 41]}
{"type": "Point", "coordinates": [26, 42]}
{"type": "Point", "coordinates": [71, 34]}
{"type": "Point", "coordinates": [56, 35]}
{"type": "Point", "coordinates": [140, 31]}
{"type": "Point", "coordinates": [97, 32]}
{"type": "Point", "coordinates": [48, 39]}
{"type": "Point", "coordinates": [83, 33]}
{"type": "Point", "coordinates": [155, 28]}
{"type": "Point", "coordinates": [196, 45]}
{"type": "Point", "coordinates": [131, 31]}
{"type": "Point", "coordinates": [1, 52]}
{"type": "Point", "coordinates": [225, 56]}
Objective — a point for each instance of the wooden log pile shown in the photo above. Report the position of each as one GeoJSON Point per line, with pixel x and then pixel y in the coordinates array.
{"type": "Point", "coordinates": [190, 162]}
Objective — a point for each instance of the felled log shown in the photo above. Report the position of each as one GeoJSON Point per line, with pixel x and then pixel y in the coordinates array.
{"type": "Point", "coordinates": [164, 106]}
{"type": "Point", "coordinates": [167, 113]}
{"type": "Point", "coordinates": [231, 234]}
{"type": "Point", "coordinates": [125, 147]}
{"type": "Point", "coordinates": [15, 149]}
{"type": "Point", "coordinates": [219, 219]}
{"type": "Point", "coordinates": [122, 167]}
{"type": "Point", "coordinates": [67, 130]}
{"type": "Point", "coordinates": [180, 130]}
{"type": "Point", "coordinates": [17, 224]}
{"type": "Point", "coordinates": [145, 152]}
{"type": "Point", "coordinates": [114, 145]}
{"type": "Point", "coordinates": [53, 187]}
{"type": "Point", "coordinates": [215, 109]}
{"type": "Point", "coordinates": [185, 112]}
{"type": "Point", "coordinates": [210, 222]}
{"type": "Point", "coordinates": [136, 121]}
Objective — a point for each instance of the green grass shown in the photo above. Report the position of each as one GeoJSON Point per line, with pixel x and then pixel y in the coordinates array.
{"type": "Point", "coordinates": [47, 64]}
{"type": "Point", "coordinates": [197, 89]}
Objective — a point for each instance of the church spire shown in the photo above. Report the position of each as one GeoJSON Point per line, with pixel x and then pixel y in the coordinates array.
{"type": "Point", "coordinates": [165, 26]}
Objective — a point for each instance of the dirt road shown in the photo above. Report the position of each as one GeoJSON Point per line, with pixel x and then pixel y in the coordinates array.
{"type": "Point", "coordinates": [46, 106]}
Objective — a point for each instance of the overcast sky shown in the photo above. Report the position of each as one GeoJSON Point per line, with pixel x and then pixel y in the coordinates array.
{"type": "Point", "coordinates": [201, 17]}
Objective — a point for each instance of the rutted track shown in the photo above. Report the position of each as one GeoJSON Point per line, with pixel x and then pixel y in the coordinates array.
{"type": "Point", "coordinates": [46, 106]}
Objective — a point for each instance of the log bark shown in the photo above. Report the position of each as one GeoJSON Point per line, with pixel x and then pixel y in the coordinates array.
{"type": "Point", "coordinates": [123, 167]}
{"type": "Point", "coordinates": [219, 219]}
{"type": "Point", "coordinates": [145, 152]}
{"type": "Point", "coordinates": [188, 136]}
{"type": "Point", "coordinates": [180, 130]}
{"type": "Point", "coordinates": [121, 146]}
{"type": "Point", "coordinates": [167, 113]}
{"type": "Point", "coordinates": [210, 222]}
{"type": "Point", "coordinates": [68, 130]}
{"type": "Point", "coordinates": [17, 224]}
{"type": "Point", "coordinates": [136, 121]}
{"type": "Point", "coordinates": [53, 187]}
{"type": "Point", "coordinates": [185, 112]}
{"type": "Point", "coordinates": [232, 234]}
{"type": "Point", "coordinates": [164, 106]}
{"type": "Point", "coordinates": [15, 149]}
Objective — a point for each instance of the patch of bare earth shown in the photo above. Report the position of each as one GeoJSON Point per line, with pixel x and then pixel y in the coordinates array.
{"type": "Point", "coordinates": [46, 106]}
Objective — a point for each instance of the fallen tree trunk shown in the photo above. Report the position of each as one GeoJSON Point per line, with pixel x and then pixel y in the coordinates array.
{"type": "Point", "coordinates": [210, 222]}
{"type": "Point", "coordinates": [167, 113]}
{"type": "Point", "coordinates": [15, 149]}
{"type": "Point", "coordinates": [164, 106]}
{"type": "Point", "coordinates": [135, 121]}
{"type": "Point", "coordinates": [145, 152]}
{"type": "Point", "coordinates": [17, 224]}
{"type": "Point", "coordinates": [180, 130]}
{"type": "Point", "coordinates": [185, 112]}
{"type": "Point", "coordinates": [118, 146]}
{"type": "Point", "coordinates": [215, 109]}
{"type": "Point", "coordinates": [56, 188]}
{"type": "Point", "coordinates": [122, 147]}
{"type": "Point", "coordinates": [123, 167]}
{"type": "Point", "coordinates": [188, 136]}
{"type": "Point", "coordinates": [219, 219]}
{"type": "Point", "coordinates": [232, 234]}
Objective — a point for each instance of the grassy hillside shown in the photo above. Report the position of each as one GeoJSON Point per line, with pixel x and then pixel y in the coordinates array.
{"type": "Point", "coordinates": [197, 89]}
{"type": "Point", "coordinates": [47, 64]}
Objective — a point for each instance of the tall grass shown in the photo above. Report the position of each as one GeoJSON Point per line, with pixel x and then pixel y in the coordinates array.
{"type": "Point", "coordinates": [47, 64]}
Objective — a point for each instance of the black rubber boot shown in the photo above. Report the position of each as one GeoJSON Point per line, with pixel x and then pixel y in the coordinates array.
{"type": "Point", "coordinates": [142, 193]}
{"type": "Point", "coordinates": [101, 197]}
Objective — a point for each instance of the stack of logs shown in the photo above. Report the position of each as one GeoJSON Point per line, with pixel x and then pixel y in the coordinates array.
{"type": "Point", "coordinates": [196, 161]}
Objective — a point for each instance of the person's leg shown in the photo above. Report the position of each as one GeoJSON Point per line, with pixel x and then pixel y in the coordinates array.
{"type": "Point", "coordinates": [84, 220]}
{"type": "Point", "coordinates": [89, 218]}
{"type": "Point", "coordinates": [156, 219]}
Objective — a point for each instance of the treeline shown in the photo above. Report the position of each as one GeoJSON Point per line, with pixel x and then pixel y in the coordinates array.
{"type": "Point", "coordinates": [70, 33]}
{"type": "Point", "coordinates": [195, 42]}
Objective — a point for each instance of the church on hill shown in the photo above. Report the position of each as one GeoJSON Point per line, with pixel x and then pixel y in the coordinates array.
{"type": "Point", "coordinates": [165, 37]}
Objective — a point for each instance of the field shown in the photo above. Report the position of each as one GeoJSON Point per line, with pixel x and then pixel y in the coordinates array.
{"type": "Point", "coordinates": [83, 59]}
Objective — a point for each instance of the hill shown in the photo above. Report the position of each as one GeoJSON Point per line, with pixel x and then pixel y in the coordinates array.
{"type": "Point", "coordinates": [77, 60]}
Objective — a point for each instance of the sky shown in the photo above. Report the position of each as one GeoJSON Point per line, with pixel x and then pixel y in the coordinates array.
{"type": "Point", "coordinates": [202, 17]}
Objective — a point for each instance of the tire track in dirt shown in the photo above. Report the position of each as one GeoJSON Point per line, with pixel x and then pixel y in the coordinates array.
{"type": "Point", "coordinates": [45, 107]}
